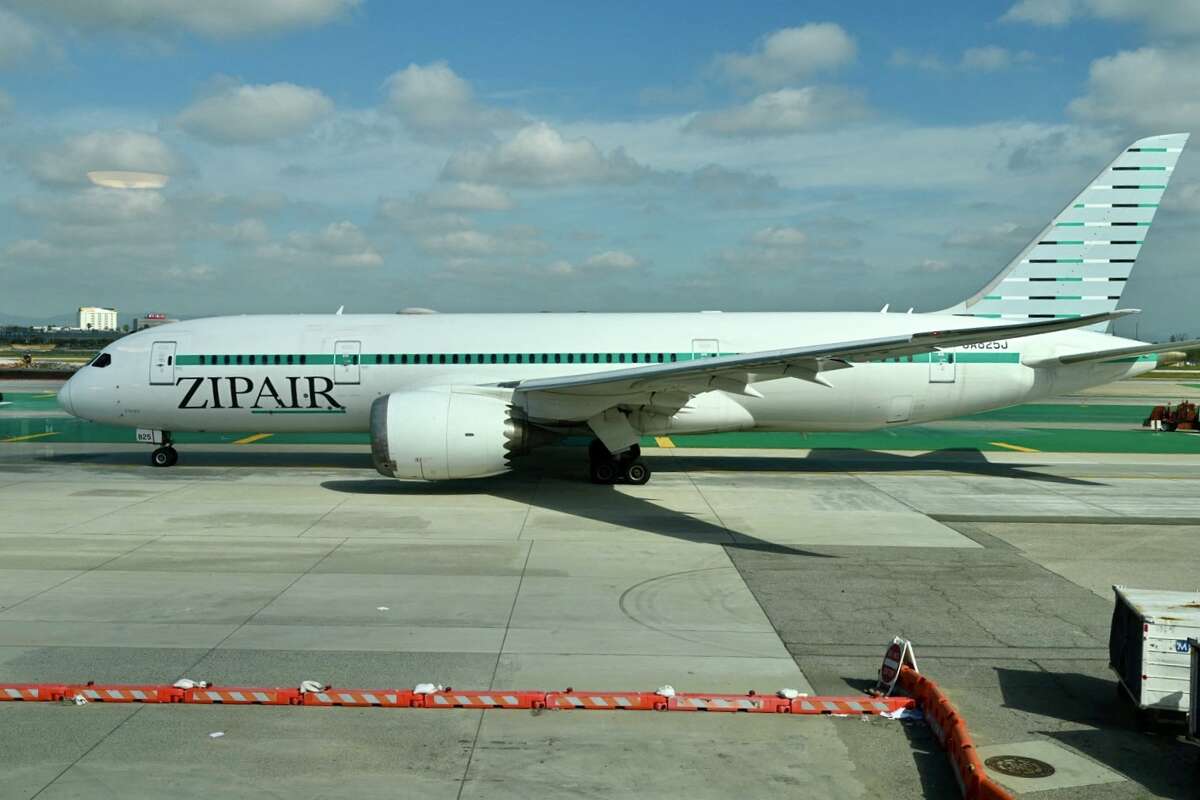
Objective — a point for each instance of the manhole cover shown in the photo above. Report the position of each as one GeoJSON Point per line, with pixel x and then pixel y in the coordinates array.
{"type": "Point", "coordinates": [1020, 766]}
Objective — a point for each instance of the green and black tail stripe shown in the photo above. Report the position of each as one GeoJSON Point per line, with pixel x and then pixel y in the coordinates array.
{"type": "Point", "coordinates": [1094, 241]}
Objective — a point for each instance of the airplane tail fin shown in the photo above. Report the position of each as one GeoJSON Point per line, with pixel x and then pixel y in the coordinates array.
{"type": "Point", "coordinates": [1080, 262]}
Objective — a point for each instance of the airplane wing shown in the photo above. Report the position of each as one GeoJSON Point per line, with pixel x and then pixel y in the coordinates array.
{"type": "Point", "coordinates": [1118, 353]}
{"type": "Point", "coordinates": [734, 373]}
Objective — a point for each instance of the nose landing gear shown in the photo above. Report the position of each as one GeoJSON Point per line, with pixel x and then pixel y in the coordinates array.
{"type": "Point", "coordinates": [625, 467]}
{"type": "Point", "coordinates": [165, 456]}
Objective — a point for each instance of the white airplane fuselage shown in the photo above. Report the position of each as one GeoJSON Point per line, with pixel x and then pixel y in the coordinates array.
{"type": "Point", "coordinates": [322, 372]}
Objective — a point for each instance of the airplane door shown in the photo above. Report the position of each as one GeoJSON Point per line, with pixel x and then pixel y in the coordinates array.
{"type": "Point", "coordinates": [346, 355]}
{"type": "Point", "coordinates": [705, 348]}
{"type": "Point", "coordinates": [941, 367]}
{"type": "Point", "coordinates": [162, 363]}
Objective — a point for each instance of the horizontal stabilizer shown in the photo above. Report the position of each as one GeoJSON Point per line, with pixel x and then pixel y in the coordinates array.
{"type": "Point", "coordinates": [1118, 353]}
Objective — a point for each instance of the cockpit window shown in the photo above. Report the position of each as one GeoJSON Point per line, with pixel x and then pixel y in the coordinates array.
{"type": "Point", "coordinates": [102, 360]}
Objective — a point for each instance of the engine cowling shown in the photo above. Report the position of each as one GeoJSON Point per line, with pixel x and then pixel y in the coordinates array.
{"type": "Point", "coordinates": [446, 432]}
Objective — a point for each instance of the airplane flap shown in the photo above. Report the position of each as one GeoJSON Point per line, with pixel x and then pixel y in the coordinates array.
{"type": "Point", "coordinates": [1115, 354]}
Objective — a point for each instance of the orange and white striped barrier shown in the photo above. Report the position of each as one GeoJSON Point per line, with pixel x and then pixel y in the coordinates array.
{"type": "Point", "coordinates": [360, 698]}
{"type": "Point", "coordinates": [569, 699]}
{"type": "Point", "coordinates": [951, 732]}
{"type": "Point", "coordinates": [606, 701]}
{"type": "Point", "coordinates": [242, 695]}
{"type": "Point", "coordinates": [482, 699]}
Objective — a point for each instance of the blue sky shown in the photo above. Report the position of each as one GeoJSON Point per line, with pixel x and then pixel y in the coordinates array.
{"type": "Point", "coordinates": [553, 156]}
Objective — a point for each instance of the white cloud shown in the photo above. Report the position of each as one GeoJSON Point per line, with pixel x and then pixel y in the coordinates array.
{"type": "Point", "coordinates": [987, 58]}
{"type": "Point", "coordinates": [465, 196]}
{"type": "Point", "coordinates": [254, 113]}
{"type": "Point", "coordinates": [1000, 234]}
{"type": "Point", "coordinates": [538, 155]}
{"type": "Point", "coordinates": [251, 230]}
{"type": "Point", "coordinates": [68, 163]}
{"type": "Point", "coordinates": [991, 58]}
{"type": "Point", "coordinates": [790, 54]}
{"type": "Point", "coordinates": [903, 57]}
{"type": "Point", "coordinates": [473, 243]}
{"type": "Point", "coordinates": [432, 99]}
{"type": "Point", "coordinates": [213, 18]}
{"type": "Point", "coordinates": [613, 260]}
{"type": "Point", "coordinates": [779, 236]}
{"type": "Point", "coordinates": [1041, 12]}
{"type": "Point", "coordinates": [784, 111]}
{"type": "Point", "coordinates": [339, 244]}
{"type": "Point", "coordinates": [18, 39]}
{"type": "Point", "coordinates": [1169, 17]}
{"type": "Point", "coordinates": [1149, 88]}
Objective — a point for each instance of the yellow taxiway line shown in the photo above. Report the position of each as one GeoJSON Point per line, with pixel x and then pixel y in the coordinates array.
{"type": "Point", "coordinates": [1016, 447]}
{"type": "Point", "coordinates": [253, 438]}
{"type": "Point", "coordinates": [30, 436]}
{"type": "Point", "coordinates": [664, 441]}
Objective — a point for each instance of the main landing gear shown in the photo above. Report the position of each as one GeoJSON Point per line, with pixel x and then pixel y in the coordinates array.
{"type": "Point", "coordinates": [624, 467]}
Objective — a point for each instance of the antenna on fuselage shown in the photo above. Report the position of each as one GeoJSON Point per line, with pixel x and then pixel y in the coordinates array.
{"type": "Point", "coordinates": [338, 313]}
{"type": "Point", "coordinates": [885, 308]}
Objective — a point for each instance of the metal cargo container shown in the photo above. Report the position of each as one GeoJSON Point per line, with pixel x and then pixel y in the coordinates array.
{"type": "Point", "coordinates": [1148, 645]}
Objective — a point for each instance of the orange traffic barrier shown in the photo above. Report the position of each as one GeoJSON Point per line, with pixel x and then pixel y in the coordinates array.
{"type": "Point", "coordinates": [951, 732]}
{"type": "Point", "coordinates": [124, 693]}
{"type": "Point", "coordinates": [851, 705]}
{"type": "Point", "coordinates": [606, 701]}
{"type": "Point", "coordinates": [33, 692]}
{"type": "Point", "coordinates": [242, 695]}
{"type": "Point", "coordinates": [481, 699]}
{"type": "Point", "coordinates": [386, 698]}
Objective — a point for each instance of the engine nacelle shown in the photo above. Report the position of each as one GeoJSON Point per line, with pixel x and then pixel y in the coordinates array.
{"type": "Point", "coordinates": [444, 432]}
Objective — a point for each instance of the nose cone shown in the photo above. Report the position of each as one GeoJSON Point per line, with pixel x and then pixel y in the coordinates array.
{"type": "Point", "coordinates": [64, 398]}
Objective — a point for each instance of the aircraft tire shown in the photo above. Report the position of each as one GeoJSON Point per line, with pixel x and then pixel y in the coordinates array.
{"type": "Point", "coordinates": [164, 457]}
{"type": "Point", "coordinates": [604, 472]}
{"type": "Point", "coordinates": [637, 473]}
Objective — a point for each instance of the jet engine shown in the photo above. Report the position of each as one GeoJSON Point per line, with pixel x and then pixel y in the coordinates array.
{"type": "Point", "coordinates": [446, 432]}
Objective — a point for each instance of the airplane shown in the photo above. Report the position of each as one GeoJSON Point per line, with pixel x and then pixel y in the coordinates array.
{"type": "Point", "coordinates": [452, 396]}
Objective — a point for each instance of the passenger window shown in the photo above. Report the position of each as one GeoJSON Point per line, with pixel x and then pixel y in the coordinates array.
{"type": "Point", "coordinates": [102, 360]}
{"type": "Point", "coordinates": [442, 358]}
{"type": "Point", "coordinates": [557, 358]}
{"type": "Point", "coordinates": [239, 359]}
{"type": "Point", "coordinates": [454, 358]}
{"type": "Point", "coordinates": [276, 359]}
{"type": "Point", "coordinates": [570, 358]}
{"type": "Point", "coordinates": [674, 357]}
{"type": "Point", "coordinates": [304, 359]}
{"type": "Point", "coordinates": [289, 359]}
{"type": "Point", "coordinates": [506, 358]}
{"type": "Point", "coordinates": [226, 359]}
{"type": "Point", "coordinates": [493, 358]}
{"type": "Point", "coordinates": [621, 357]}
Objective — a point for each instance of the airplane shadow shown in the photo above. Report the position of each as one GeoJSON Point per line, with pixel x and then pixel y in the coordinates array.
{"type": "Point", "coordinates": [966, 461]}
{"type": "Point", "coordinates": [604, 504]}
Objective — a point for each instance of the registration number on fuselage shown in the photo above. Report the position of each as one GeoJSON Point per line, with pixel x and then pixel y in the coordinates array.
{"type": "Point", "coordinates": [1001, 345]}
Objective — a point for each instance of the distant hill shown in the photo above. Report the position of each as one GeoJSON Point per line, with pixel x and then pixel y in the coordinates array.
{"type": "Point", "coordinates": [53, 319]}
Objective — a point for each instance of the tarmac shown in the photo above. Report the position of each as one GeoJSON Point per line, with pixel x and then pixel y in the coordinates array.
{"type": "Point", "coordinates": [733, 569]}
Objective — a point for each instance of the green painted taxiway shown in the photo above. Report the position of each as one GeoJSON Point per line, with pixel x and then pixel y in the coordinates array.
{"type": "Point", "coordinates": [1043, 427]}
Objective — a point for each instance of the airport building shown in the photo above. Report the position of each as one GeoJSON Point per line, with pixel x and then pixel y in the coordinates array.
{"type": "Point", "coordinates": [92, 318]}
